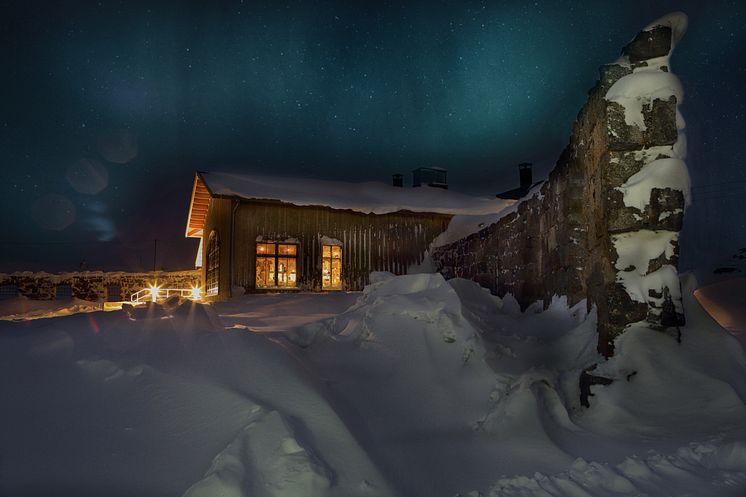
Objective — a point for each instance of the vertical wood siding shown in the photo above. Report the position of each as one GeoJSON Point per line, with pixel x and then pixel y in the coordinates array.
{"type": "Point", "coordinates": [370, 242]}
{"type": "Point", "coordinates": [219, 219]}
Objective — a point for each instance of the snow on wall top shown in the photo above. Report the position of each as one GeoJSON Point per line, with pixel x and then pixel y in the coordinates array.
{"type": "Point", "coordinates": [677, 21]}
{"type": "Point", "coordinates": [369, 197]}
{"type": "Point", "coordinates": [649, 81]}
{"type": "Point", "coordinates": [652, 79]}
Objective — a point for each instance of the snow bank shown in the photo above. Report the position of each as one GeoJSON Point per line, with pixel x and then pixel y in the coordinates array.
{"type": "Point", "coordinates": [141, 403]}
{"type": "Point", "coordinates": [279, 465]}
{"type": "Point", "coordinates": [671, 423]}
{"type": "Point", "coordinates": [23, 308]}
{"type": "Point", "coordinates": [417, 386]}
{"type": "Point", "coordinates": [702, 377]}
{"type": "Point", "coordinates": [369, 197]}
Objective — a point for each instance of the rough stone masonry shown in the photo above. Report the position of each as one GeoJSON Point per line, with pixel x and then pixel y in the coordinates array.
{"type": "Point", "coordinates": [604, 226]}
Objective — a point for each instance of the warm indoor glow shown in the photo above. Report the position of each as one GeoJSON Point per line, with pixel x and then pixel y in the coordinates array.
{"type": "Point", "coordinates": [331, 268]}
{"type": "Point", "coordinates": [276, 265]}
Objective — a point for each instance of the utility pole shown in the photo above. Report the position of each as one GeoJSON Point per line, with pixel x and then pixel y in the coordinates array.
{"type": "Point", "coordinates": [155, 252]}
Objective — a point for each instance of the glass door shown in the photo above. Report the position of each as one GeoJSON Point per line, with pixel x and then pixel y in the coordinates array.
{"type": "Point", "coordinates": [331, 267]}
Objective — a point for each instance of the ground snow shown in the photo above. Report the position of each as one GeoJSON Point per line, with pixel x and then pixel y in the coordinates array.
{"type": "Point", "coordinates": [23, 308]}
{"type": "Point", "coordinates": [417, 386]}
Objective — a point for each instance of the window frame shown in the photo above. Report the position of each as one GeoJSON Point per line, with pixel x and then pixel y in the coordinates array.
{"type": "Point", "coordinates": [331, 259]}
{"type": "Point", "coordinates": [276, 256]}
{"type": "Point", "coordinates": [212, 265]}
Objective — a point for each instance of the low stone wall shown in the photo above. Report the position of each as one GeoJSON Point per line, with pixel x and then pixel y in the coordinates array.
{"type": "Point", "coordinates": [604, 226]}
{"type": "Point", "coordinates": [96, 285]}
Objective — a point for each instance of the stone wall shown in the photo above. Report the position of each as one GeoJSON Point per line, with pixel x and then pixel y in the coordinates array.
{"type": "Point", "coordinates": [95, 285]}
{"type": "Point", "coordinates": [604, 226]}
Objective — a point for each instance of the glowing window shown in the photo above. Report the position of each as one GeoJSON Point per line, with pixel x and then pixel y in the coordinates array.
{"type": "Point", "coordinates": [331, 267]}
{"type": "Point", "coordinates": [276, 265]}
{"type": "Point", "coordinates": [212, 274]}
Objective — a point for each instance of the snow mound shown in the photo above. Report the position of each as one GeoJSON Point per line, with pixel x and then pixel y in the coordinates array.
{"type": "Point", "coordinates": [420, 387]}
{"type": "Point", "coordinates": [701, 375]}
{"type": "Point", "coordinates": [278, 465]}
{"type": "Point", "coordinates": [142, 402]}
{"type": "Point", "coordinates": [23, 308]}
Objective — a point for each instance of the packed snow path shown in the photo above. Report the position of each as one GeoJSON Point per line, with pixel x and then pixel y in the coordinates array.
{"type": "Point", "coordinates": [415, 387]}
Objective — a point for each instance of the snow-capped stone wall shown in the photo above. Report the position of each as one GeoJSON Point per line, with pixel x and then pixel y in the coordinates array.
{"type": "Point", "coordinates": [605, 225]}
{"type": "Point", "coordinates": [95, 286]}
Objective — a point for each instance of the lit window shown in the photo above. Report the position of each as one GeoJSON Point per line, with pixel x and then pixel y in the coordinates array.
{"type": "Point", "coordinates": [212, 275]}
{"type": "Point", "coordinates": [331, 267]}
{"type": "Point", "coordinates": [276, 265]}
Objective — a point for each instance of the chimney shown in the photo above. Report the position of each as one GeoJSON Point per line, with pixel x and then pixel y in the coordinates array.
{"type": "Point", "coordinates": [398, 180]}
{"type": "Point", "coordinates": [524, 171]}
{"type": "Point", "coordinates": [430, 176]}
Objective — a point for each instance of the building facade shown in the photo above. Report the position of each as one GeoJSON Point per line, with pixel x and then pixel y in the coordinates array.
{"type": "Point", "coordinates": [255, 244]}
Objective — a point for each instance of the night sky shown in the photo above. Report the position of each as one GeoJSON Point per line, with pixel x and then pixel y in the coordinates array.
{"type": "Point", "coordinates": [108, 108]}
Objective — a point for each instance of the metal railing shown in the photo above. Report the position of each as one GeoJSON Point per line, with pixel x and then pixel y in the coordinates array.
{"type": "Point", "coordinates": [161, 294]}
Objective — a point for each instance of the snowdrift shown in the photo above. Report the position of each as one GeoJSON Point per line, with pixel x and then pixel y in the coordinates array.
{"type": "Point", "coordinates": [24, 308]}
{"type": "Point", "coordinates": [420, 387]}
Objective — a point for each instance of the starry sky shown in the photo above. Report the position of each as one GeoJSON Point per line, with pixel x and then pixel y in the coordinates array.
{"type": "Point", "coordinates": [108, 108]}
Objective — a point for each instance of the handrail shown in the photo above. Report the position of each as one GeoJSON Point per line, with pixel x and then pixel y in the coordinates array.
{"type": "Point", "coordinates": [156, 294]}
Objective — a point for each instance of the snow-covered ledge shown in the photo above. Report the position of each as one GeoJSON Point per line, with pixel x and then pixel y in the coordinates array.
{"type": "Point", "coordinates": [648, 188]}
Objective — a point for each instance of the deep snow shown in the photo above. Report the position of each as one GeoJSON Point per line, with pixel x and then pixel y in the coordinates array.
{"type": "Point", "coordinates": [414, 387]}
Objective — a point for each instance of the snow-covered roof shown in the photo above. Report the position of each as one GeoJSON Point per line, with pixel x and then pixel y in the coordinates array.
{"type": "Point", "coordinates": [369, 197]}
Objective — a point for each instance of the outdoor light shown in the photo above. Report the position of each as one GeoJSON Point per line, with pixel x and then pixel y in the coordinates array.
{"type": "Point", "coordinates": [196, 293]}
{"type": "Point", "coordinates": [153, 292]}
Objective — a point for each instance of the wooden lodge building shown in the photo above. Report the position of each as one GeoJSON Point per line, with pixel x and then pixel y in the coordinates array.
{"type": "Point", "coordinates": [272, 233]}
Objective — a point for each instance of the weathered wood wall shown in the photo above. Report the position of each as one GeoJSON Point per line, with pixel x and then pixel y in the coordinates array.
{"type": "Point", "coordinates": [219, 220]}
{"type": "Point", "coordinates": [370, 242]}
